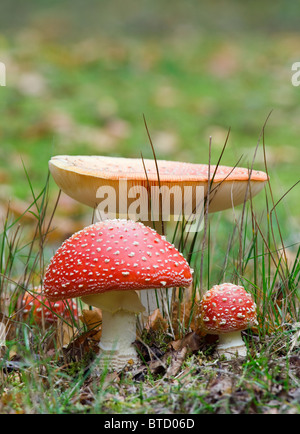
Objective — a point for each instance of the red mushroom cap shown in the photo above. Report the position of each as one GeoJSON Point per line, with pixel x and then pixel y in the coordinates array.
{"type": "Point", "coordinates": [41, 308]}
{"type": "Point", "coordinates": [226, 308]}
{"type": "Point", "coordinates": [114, 255]}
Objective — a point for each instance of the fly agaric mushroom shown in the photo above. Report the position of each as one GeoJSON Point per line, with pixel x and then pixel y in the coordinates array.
{"type": "Point", "coordinates": [226, 310]}
{"type": "Point", "coordinates": [105, 264]}
{"type": "Point", "coordinates": [81, 178]}
{"type": "Point", "coordinates": [42, 309]}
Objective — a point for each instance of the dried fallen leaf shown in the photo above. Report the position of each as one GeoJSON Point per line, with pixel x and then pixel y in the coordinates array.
{"type": "Point", "coordinates": [93, 320]}
{"type": "Point", "coordinates": [220, 386]}
{"type": "Point", "coordinates": [157, 367]}
{"type": "Point", "coordinates": [191, 341]}
{"type": "Point", "coordinates": [156, 322]}
{"type": "Point", "coordinates": [3, 351]}
{"type": "Point", "coordinates": [81, 346]}
{"type": "Point", "coordinates": [177, 359]}
{"type": "Point", "coordinates": [64, 334]}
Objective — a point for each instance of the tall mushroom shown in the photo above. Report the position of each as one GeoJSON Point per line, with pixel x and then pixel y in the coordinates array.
{"type": "Point", "coordinates": [80, 177]}
{"type": "Point", "coordinates": [105, 264]}
{"type": "Point", "coordinates": [132, 182]}
{"type": "Point", "coordinates": [225, 310]}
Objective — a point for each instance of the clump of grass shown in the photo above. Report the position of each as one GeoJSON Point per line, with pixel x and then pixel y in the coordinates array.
{"type": "Point", "coordinates": [22, 258]}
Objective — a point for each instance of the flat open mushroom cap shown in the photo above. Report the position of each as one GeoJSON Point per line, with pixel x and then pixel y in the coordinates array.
{"type": "Point", "coordinates": [80, 177]}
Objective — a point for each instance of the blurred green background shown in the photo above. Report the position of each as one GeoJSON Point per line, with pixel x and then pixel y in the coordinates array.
{"type": "Point", "coordinates": [80, 76]}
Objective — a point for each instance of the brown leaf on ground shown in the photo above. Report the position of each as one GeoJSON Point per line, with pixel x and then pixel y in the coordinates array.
{"type": "Point", "coordinates": [76, 347]}
{"type": "Point", "coordinates": [220, 386]}
{"type": "Point", "coordinates": [156, 322]}
{"type": "Point", "coordinates": [12, 400]}
{"type": "Point", "coordinates": [177, 359]}
{"type": "Point", "coordinates": [170, 363]}
{"type": "Point", "coordinates": [87, 394]}
{"type": "Point", "coordinates": [191, 341]}
{"type": "Point", "coordinates": [81, 346]}
{"type": "Point", "coordinates": [157, 367]}
{"type": "Point", "coordinates": [64, 334]}
{"type": "Point", "coordinates": [295, 365]}
{"type": "Point", "coordinates": [3, 348]}
{"type": "Point", "coordinates": [93, 320]}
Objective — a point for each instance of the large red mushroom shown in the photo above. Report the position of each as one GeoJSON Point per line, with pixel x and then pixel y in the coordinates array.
{"type": "Point", "coordinates": [105, 264]}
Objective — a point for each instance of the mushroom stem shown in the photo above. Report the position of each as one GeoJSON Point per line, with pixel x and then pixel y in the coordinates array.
{"type": "Point", "coordinates": [232, 344]}
{"type": "Point", "coordinates": [118, 333]}
{"type": "Point", "coordinates": [119, 309]}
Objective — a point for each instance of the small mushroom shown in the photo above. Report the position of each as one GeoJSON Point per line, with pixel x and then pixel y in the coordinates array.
{"type": "Point", "coordinates": [41, 309]}
{"type": "Point", "coordinates": [225, 310]}
{"type": "Point", "coordinates": [106, 264]}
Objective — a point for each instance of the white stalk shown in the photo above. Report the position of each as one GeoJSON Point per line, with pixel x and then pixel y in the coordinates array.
{"type": "Point", "coordinates": [119, 310]}
{"type": "Point", "coordinates": [118, 334]}
{"type": "Point", "coordinates": [231, 344]}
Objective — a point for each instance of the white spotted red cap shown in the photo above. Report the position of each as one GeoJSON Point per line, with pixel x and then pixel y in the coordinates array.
{"type": "Point", "coordinates": [114, 255]}
{"type": "Point", "coordinates": [226, 308]}
{"type": "Point", "coordinates": [42, 309]}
